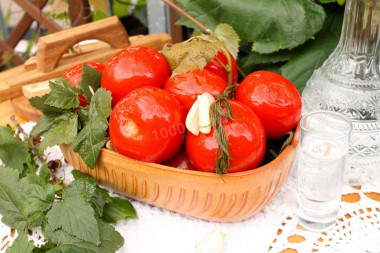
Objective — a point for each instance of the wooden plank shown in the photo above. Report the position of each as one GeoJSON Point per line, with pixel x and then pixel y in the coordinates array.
{"type": "Point", "coordinates": [22, 107]}
{"type": "Point", "coordinates": [6, 111]}
{"type": "Point", "coordinates": [37, 14]}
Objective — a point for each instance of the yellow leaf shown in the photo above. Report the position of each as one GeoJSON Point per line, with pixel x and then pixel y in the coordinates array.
{"type": "Point", "coordinates": [190, 55]}
{"type": "Point", "coordinates": [59, 7]}
{"type": "Point", "coordinates": [100, 5]}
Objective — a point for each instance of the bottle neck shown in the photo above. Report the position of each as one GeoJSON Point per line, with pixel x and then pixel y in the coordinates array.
{"type": "Point", "coordinates": [358, 50]}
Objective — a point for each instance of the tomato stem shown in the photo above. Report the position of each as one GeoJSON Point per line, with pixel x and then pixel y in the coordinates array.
{"type": "Point", "coordinates": [228, 67]}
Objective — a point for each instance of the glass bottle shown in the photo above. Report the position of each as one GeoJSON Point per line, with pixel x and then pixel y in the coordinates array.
{"type": "Point", "coordinates": [349, 83]}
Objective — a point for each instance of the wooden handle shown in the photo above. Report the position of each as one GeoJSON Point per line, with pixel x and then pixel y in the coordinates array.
{"type": "Point", "coordinates": [53, 46]}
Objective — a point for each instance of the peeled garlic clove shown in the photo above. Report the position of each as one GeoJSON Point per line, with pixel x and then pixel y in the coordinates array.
{"type": "Point", "coordinates": [204, 114]}
{"type": "Point", "coordinates": [212, 243]}
{"type": "Point", "coordinates": [210, 97]}
{"type": "Point", "coordinates": [192, 119]}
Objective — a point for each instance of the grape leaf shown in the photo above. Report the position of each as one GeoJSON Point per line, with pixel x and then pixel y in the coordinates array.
{"type": "Point", "coordinates": [117, 210]}
{"type": "Point", "coordinates": [21, 244]}
{"type": "Point", "coordinates": [76, 217]}
{"type": "Point", "coordinates": [190, 55]}
{"type": "Point", "coordinates": [62, 94]}
{"type": "Point", "coordinates": [249, 62]}
{"type": "Point", "coordinates": [311, 55]}
{"type": "Point", "coordinates": [90, 78]}
{"type": "Point", "coordinates": [227, 34]}
{"type": "Point", "coordinates": [270, 25]}
{"type": "Point", "coordinates": [91, 138]}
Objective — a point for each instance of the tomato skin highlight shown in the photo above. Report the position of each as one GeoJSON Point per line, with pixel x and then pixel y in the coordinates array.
{"type": "Point", "coordinates": [148, 125]}
{"type": "Point", "coordinates": [274, 99]}
{"type": "Point", "coordinates": [215, 67]}
{"type": "Point", "coordinates": [246, 136]}
{"type": "Point", "coordinates": [186, 86]}
{"type": "Point", "coordinates": [132, 68]}
{"type": "Point", "coordinates": [74, 76]}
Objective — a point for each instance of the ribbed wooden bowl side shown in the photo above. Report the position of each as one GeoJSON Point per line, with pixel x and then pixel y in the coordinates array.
{"type": "Point", "coordinates": [203, 195]}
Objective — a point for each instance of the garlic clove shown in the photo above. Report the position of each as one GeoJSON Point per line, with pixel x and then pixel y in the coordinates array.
{"type": "Point", "coordinates": [212, 243]}
{"type": "Point", "coordinates": [192, 119]}
{"type": "Point", "coordinates": [204, 114]}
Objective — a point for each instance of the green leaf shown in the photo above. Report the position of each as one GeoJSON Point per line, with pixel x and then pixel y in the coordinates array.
{"type": "Point", "coordinates": [83, 114]}
{"type": "Point", "coordinates": [311, 55]}
{"type": "Point", "coordinates": [44, 173]}
{"type": "Point", "coordinates": [38, 198]}
{"type": "Point", "coordinates": [21, 203]}
{"type": "Point", "coordinates": [326, 1]}
{"type": "Point", "coordinates": [250, 61]}
{"type": "Point", "coordinates": [68, 243]}
{"type": "Point", "coordinates": [90, 78]}
{"type": "Point", "coordinates": [270, 25]}
{"type": "Point", "coordinates": [110, 240]}
{"type": "Point", "coordinates": [21, 244]}
{"type": "Point", "coordinates": [190, 55]}
{"type": "Point", "coordinates": [227, 34]}
{"type": "Point", "coordinates": [99, 199]}
{"type": "Point", "coordinates": [10, 199]}
{"type": "Point", "coordinates": [62, 94]}
{"type": "Point", "coordinates": [117, 210]}
{"type": "Point", "coordinates": [13, 154]}
{"type": "Point", "coordinates": [76, 217]}
{"type": "Point", "coordinates": [39, 103]}
{"type": "Point", "coordinates": [57, 129]}
{"type": "Point", "coordinates": [80, 187]}
{"type": "Point", "coordinates": [91, 138]}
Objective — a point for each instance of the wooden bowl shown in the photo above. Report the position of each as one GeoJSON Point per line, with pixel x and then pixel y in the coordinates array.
{"type": "Point", "coordinates": [204, 195]}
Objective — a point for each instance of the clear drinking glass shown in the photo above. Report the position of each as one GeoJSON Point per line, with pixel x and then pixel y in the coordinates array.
{"type": "Point", "coordinates": [322, 153]}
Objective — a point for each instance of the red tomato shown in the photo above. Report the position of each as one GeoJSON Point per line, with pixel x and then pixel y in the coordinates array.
{"type": "Point", "coordinates": [215, 67]}
{"type": "Point", "coordinates": [74, 75]}
{"type": "Point", "coordinates": [148, 124]}
{"type": "Point", "coordinates": [246, 136]}
{"type": "Point", "coordinates": [180, 161]}
{"type": "Point", "coordinates": [186, 86]}
{"type": "Point", "coordinates": [134, 67]}
{"type": "Point", "coordinates": [274, 99]}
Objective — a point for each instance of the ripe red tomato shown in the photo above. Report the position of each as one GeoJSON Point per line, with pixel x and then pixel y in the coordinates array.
{"type": "Point", "coordinates": [134, 67]}
{"type": "Point", "coordinates": [74, 75]}
{"type": "Point", "coordinates": [148, 124]}
{"type": "Point", "coordinates": [180, 160]}
{"type": "Point", "coordinates": [274, 99]}
{"type": "Point", "coordinates": [186, 86]}
{"type": "Point", "coordinates": [215, 67]}
{"type": "Point", "coordinates": [246, 136]}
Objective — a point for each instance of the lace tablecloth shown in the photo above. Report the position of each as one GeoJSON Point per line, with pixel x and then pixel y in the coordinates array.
{"type": "Point", "coordinates": [274, 229]}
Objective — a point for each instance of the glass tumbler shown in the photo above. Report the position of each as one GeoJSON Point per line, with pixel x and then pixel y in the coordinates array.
{"type": "Point", "coordinates": [322, 153]}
